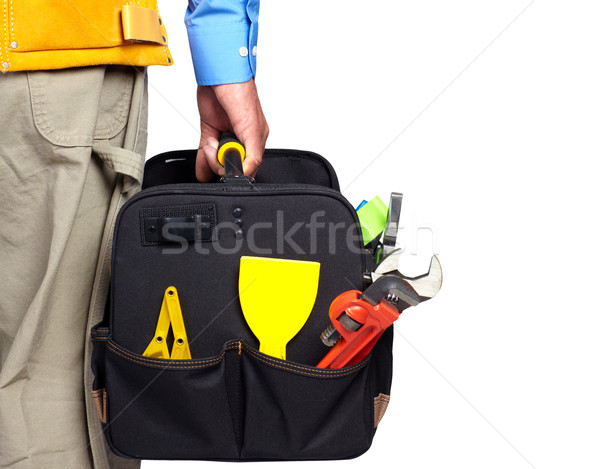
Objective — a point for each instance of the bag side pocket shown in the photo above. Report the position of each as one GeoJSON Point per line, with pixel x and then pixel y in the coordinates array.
{"type": "Point", "coordinates": [99, 336]}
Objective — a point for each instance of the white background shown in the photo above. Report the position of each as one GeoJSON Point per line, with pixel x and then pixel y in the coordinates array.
{"type": "Point", "coordinates": [485, 114]}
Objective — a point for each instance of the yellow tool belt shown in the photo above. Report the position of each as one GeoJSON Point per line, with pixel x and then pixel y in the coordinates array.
{"type": "Point", "coordinates": [50, 34]}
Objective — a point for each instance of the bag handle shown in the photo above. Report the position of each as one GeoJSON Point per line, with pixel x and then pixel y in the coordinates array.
{"type": "Point", "coordinates": [230, 154]}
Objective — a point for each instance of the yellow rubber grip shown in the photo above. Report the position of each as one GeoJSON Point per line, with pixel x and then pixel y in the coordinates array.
{"type": "Point", "coordinates": [228, 146]}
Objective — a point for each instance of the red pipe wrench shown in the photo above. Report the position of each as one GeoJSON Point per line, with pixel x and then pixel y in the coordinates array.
{"type": "Point", "coordinates": [358, 319]}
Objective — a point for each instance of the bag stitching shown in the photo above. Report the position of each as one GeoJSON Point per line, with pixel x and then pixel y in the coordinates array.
{"type": "Point", "coordinates": [233, 346]}
{"type": "Point", "coordinates": [315, 373]}
{"type": "Point", "coordinates": [307, 371]}
{"type": "Point", "coordinates": [150, 361]}
{"type": "Point", "coordinates": [161, 366]}
{"type": "Point", "coordinates": [324, 371]}
{"type": "Point", "coordinates": [197, 364]}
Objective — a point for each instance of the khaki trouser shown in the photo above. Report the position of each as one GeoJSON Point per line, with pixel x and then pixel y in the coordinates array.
{"type": "Point", "coordinates": [70, 154]}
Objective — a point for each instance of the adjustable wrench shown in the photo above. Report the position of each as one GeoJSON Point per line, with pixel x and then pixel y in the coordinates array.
{"type": "Point", "coordinates": [358, 319]}
{"type": "Point", "coordinates": [427, 285]}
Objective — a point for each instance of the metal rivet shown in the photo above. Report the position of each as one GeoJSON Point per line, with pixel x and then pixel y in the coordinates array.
{"type": "Point", "coordinates": [180, 341]}
{"type": "Point", "coordinates": [160, 21]}
{"type": "Point", "coordinates": [158, 340]}
{"type": "Point", "coordinates": [14, 44]}
{"type": "Point", "coordinates": [164, 39]}
{"type": "Point", "coordinates": [169, 59]}
{"type": "Point", "coordinates": [238, 222]}
{"type": "Point", "coordinates": [5, 64]}
{"type": "Point", "coordinates": [152, 229]}
{"type": "Point", "coordinates": [171, 292]}
{"type": "Point", "coordinates": [237, 212]}
{"type": "Point", "coordinates": [239, 234]}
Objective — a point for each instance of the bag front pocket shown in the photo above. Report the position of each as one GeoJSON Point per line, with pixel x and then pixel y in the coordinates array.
{"type": "Point", "coordinates": [239, 405]}
{"type": "Point", "coordinates": [168, 409]}
{"type": "Point", "coordinates": [293, 411]}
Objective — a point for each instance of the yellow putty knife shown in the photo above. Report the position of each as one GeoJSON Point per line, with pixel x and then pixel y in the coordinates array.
{"type": "Point", "coordinates": [277, 296]}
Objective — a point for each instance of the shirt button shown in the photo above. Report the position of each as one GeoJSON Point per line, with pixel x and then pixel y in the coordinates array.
{"type": "Point", "coordinates": [254, 51]}
{"type": "Point", "coordinates": [244, 51]}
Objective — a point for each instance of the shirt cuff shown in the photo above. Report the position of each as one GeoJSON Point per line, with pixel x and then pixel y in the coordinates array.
{"type": "Point", "coordinates": [224, 53]}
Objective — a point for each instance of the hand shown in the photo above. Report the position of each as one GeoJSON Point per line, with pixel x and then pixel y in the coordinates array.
{"type": "Point", "coordinates": [233, 108]}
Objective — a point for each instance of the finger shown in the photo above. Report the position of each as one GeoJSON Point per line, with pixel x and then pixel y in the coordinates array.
{"type": "Point", "coordinates": [210, 153]}
{"type": "Point", "coordinates": [255, 145]}
{"type": "Point", "coordinates": [204, 169]}
{"type": "Point", "coordinates": [204, 173]}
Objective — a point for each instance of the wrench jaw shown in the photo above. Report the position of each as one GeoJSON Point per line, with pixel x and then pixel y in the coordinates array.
{"type": "Point", "coordinates": [426, 285]}
{"type": "Point", "coordinates": [394, 290]}
{"type": "Point", "coordinates": [429, 284]}
{"type": "Point", "coordinates": [388, 264]}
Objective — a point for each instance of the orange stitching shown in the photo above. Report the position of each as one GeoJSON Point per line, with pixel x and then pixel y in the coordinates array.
{"type": "Point", "coordinates": [97, 335]}
{"type": "Point", "coordinates": [306, 372]}
{"type": "Point", "coordinates": [195, 364]}
{"type": "Point", "coordinates": [5, 36]}
{"type": "Point", "coordinates": [208, 360]}
{"type": "Point", "coordinates": [303, 368]}
{"type": "Point", "coordinates": [151, 365]}
{"type": "Point", "coordinates": [165, 47]}
{"type": "Point", "coordinates": [161, 366]}
{"type": "Point", "coordinates": [205, 363]}
{"type": "Point", "coordinates": [12, 28]}
{"type": "Point", "coordinates": [318, 372]}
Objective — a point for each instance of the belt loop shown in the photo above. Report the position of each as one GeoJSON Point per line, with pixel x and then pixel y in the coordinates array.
{"type": "Point", "coordinates": [122, 161]}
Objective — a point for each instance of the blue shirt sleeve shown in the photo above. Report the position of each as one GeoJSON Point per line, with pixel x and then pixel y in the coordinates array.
{"type": "Point", "coordinates": [223, 36]}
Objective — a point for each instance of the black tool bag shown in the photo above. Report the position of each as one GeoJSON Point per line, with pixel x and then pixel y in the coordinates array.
{"type": "Point", "coordinates": [231, 402]}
